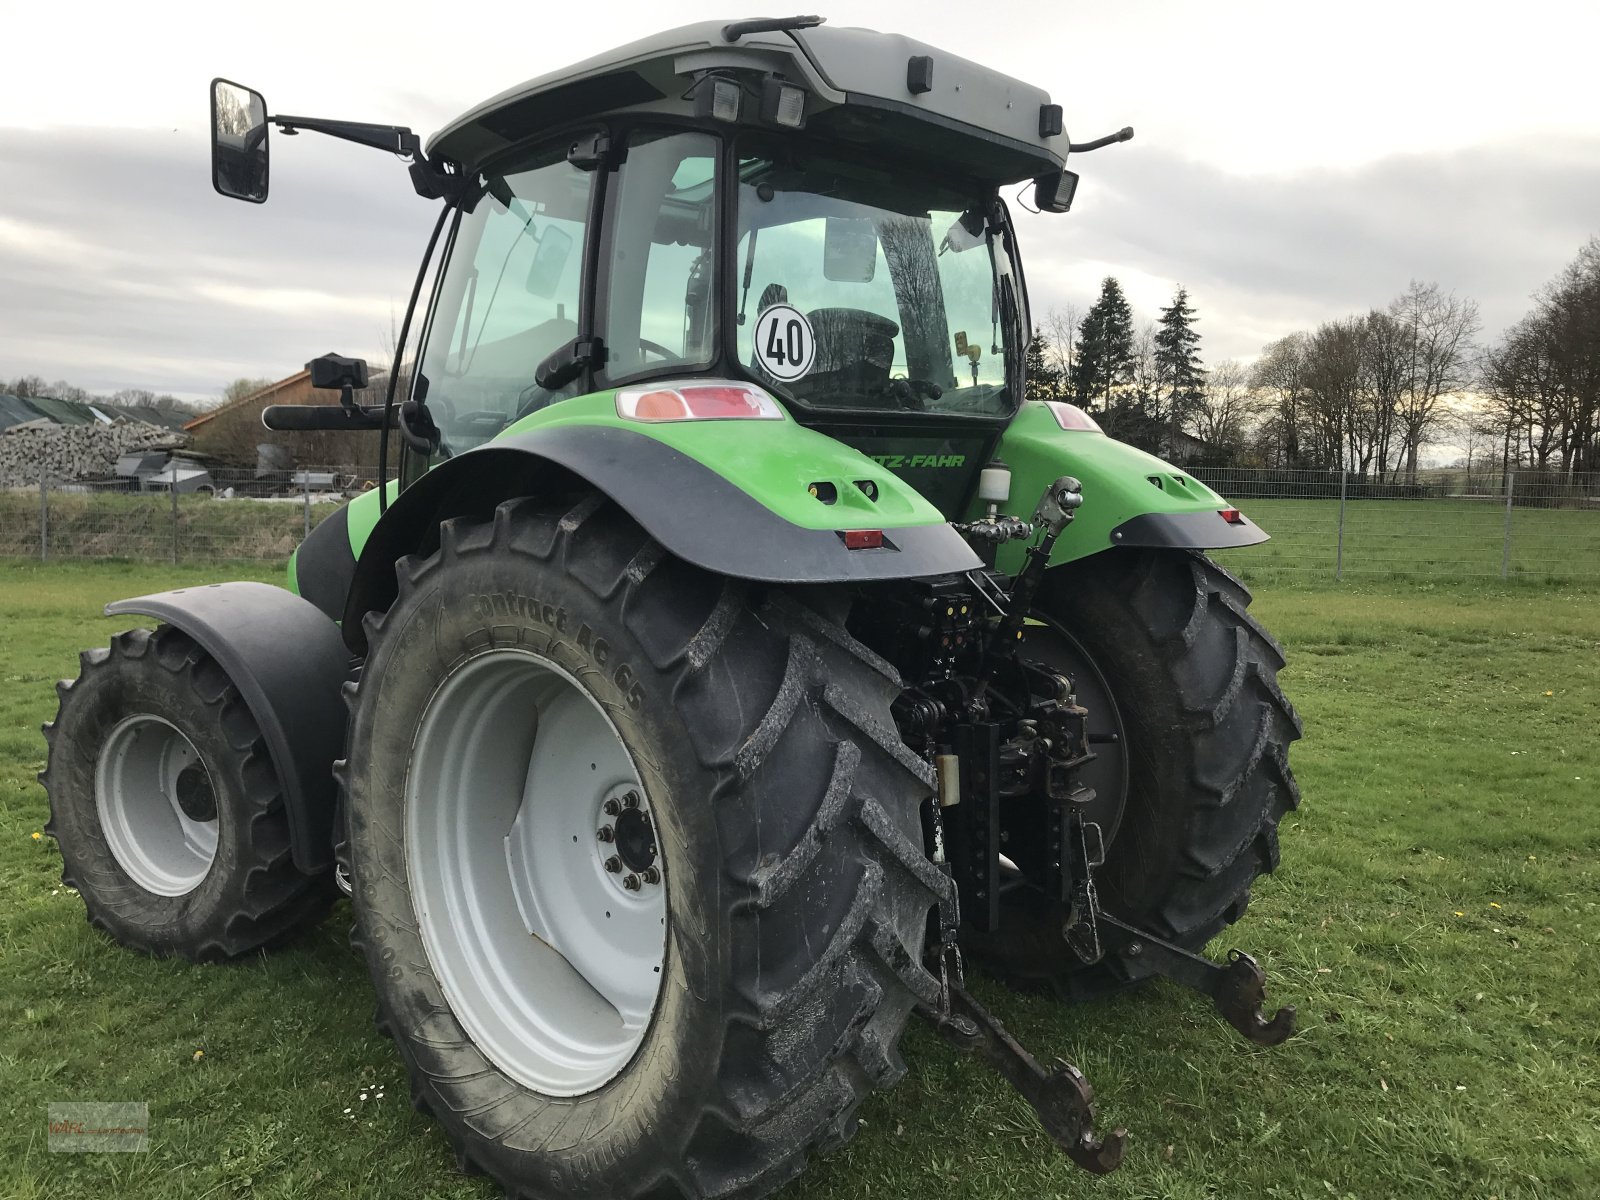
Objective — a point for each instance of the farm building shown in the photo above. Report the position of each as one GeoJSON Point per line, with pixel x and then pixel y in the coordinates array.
{"type": "Point", "coordinates": [233, 431]}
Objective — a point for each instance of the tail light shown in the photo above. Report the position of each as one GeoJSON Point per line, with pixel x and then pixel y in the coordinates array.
{"type": "Point", "coordinates": [1072, 418]}
{"type": "Point", "coordinates": [1231, 515]}
{"type": "Point", "coordinates": [711, 401]}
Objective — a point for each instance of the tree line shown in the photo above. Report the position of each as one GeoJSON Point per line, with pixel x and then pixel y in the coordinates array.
{"type": "Point", "coordinates": [34, 387]}
{"type": "Point", "coordinates": [1365, 392]}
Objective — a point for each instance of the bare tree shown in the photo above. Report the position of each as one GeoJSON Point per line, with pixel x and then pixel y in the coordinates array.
{"type": "Point", "coordinates": [1279, 377]}
{"type": "Point", "coordinates": [1385, 353]}
{"type": "Point", "coordinates": [1228, 407]}
{"type": "Point", "coordinates": [1060, 326]}
{"type": "Point", "coordinates": [1438, 329]}
{"type": "Point", "coordinates": [1338, 429]}
{"type": "Point", "coordinates": [242, 387]}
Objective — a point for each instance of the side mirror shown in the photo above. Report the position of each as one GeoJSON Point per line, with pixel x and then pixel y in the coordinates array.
{"type": "Point", "coordinates": [849, 249]}
{"type": "Point", "coordinates": [549, 261]}
{"type": "Point", "coordinates": [1053, 193]}
{"type": "Point", "coordinates": [238, 142]}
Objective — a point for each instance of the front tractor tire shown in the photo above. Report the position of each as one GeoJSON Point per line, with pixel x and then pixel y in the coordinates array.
{"type": "Point", "coordinates": [1193, 734]}
{"type": "Point", "coordinates": [167, 809]}
{"type": "Point", "coordinates": [637, 861]}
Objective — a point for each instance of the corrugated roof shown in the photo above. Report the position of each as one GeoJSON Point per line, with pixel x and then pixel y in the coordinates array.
{"type": "Point", "coordinates": [14, 410]}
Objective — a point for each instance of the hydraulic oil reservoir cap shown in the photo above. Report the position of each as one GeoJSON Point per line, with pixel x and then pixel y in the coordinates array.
{"type": "Point", "coordinates": [994, 483]}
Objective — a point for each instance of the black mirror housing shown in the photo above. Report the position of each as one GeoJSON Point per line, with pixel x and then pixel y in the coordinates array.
{"type": "Point", "coordinates": [239, 148]}
{"type": "Point", "coordinates": [337, 371]}
{"type": "Point", "coordinates": [1054, 193]}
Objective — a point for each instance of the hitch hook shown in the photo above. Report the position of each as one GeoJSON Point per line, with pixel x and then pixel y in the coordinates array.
{"type": "Point", "coordinates": [1060, 1096]}
{"type": "Point", "coordinates": [1240, 993]}
{"type": "Point", "coordinates": [1238, 989]}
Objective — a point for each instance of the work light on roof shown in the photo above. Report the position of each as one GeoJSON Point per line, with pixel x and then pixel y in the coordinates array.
{"type": "Point", "coordinates": [718, 98]}
{"type": "Point", "coordinates": [783, 104]}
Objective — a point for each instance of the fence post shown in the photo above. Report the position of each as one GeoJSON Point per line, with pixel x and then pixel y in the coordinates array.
{"type": "Point", "coordinates": [44, 517]}
{"type": "Point", "coordinates": [1338, 554]}
{"type": "Point", "coordinates": [1505, 545]}
{"type": "Point", "coordinates": [305, 478]}
{"type": "Point", "coordinates": [173, 486]}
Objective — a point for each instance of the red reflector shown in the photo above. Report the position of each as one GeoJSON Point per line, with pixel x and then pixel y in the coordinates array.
{"type": "Point", "coordinates": [863, 539]}
{"type": "Point", "coordinates": [1232, 516]}
{"type": "Point", "coordinates": [716, 400]}
{"type": "Point", "coordinates": [1071, 417]}
{"type": "Point", "coordinates": [661, 406]}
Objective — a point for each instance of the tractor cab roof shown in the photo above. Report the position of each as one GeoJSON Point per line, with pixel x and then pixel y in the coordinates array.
{"type": "Point", "coordinates": [872, 89]}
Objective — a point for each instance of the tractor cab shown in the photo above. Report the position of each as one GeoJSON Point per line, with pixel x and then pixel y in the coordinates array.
{"type": "Point", "coordinates": [815, 211]}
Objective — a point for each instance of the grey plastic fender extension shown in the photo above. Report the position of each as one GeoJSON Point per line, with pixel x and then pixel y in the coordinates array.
{"type": "Point", "coordinates": [694, 512]}
{"type": "Point", "coordinates": [288, 661]}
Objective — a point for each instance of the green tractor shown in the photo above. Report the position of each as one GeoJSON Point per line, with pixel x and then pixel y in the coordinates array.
{"type": "Point", "coordinates": [734, 655]}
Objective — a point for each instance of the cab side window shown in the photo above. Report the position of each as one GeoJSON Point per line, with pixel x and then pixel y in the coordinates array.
{"type": "Point", "coordinates": [509, 297]}
{"type": "Point", "coordinates": [658, 289]}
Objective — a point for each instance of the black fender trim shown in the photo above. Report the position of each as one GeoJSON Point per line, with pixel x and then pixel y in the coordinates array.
{"type": "Point", "coordinates": [695, 513]}
{"type": "Point", "coordinates": [324, 565]}
{"type": "Point", "coordinates": [1206, 530]}
{"type": "Point", "coordinates": [289, 664]}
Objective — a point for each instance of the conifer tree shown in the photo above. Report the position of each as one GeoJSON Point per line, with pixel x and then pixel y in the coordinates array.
{"type": "Point", "coordinates": [1177, 354]}
{"type": "Point", "coordinates": [1044, 380]}
{"type": "Point", "coordinates": [1104, 359]}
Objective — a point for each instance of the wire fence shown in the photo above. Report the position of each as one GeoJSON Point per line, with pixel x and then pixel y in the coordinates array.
{"type": "Point", "coordinates": [184, 515]}
{"type": "Point", "coordinates": [1528, 524]}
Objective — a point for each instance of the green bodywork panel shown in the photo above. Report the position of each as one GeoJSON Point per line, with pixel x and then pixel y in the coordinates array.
{"type": "Point", "coordinates": [1116, 480]}
{"type": "Point", "coordinates": [775, 462]}
{"type": "Point", "coordinates": [361, 515]}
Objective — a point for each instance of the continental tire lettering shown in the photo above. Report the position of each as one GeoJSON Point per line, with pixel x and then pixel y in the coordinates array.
{"type": "Point", "coordinates": [491, 606]}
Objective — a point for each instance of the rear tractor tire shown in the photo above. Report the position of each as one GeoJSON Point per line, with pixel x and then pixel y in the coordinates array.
{"type": "Point", "coordinates": [637, 861]}
{"type": "Point", "coordinates": [1193, 733]}
{"type": "Point", "coordinates": [166, 807]}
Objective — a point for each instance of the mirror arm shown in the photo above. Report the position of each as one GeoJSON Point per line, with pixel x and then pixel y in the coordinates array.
{"type": "Point", "coordinates": [1122, 135]}
{"type": "Point", "coordinates": [433, 179]}
{"type": "Point", "coordinates": [397, 139]}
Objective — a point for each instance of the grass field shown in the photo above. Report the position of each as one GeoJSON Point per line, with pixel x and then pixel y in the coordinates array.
{"type": "Point", "coordinates": [1440, 539]}
{"type": "Point", "coordinates": [1436, 918]}
{"type": "Point", "coordinates": [1443, 539]}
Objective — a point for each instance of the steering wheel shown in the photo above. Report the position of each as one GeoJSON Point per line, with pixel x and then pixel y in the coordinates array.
{"type": "Point", "coordinates": [657, 348]}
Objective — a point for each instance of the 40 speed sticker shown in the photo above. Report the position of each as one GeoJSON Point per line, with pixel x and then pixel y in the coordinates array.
{"type": "Point", "coordinates": [785, 345]}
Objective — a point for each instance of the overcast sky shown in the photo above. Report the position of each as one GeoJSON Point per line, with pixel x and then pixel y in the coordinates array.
{"type": "Point", "coordinates": [1294, 162]}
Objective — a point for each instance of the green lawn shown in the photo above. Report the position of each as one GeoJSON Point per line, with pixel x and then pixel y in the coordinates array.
{"type": "Point", "coordinates": [1436, 918]}
{"type": "Point", "coordinates": [1440, 539]}
{"type": "Point", "coordinates": [1382, 539]}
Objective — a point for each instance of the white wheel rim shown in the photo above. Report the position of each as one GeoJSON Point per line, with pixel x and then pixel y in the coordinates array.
{"type": "Point", "coordinates": [550, 961]}
{"type": "Point", "coordinates": [145, 770]}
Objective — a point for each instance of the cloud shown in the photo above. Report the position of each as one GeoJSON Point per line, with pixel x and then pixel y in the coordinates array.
{"type": "Point", "coordinates": [119, 267]}
{"type": "Point", "coordinates": [1263, 255]}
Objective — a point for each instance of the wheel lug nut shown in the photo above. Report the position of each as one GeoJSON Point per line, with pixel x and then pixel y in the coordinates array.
{"type": "Point", "coordinates": [611, 808]}
{"type": "Point", "coordinates": [631, 800]}
{"type": "Point", "coordinates": [606, 834]}
{"type": "Point", "coordinates": [632, 883]}
{"type": "Point", "coordinates": [652, 875]}
{"type": "Point", "coordinates": [613, 864]}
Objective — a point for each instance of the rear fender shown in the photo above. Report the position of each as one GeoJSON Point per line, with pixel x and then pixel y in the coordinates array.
{"type": "Point", "coordinates": [288, 662]}
{"type": "Point", "coordinates": [1130, 498]}
{"type": "Point", "coordinates": [734, 497]}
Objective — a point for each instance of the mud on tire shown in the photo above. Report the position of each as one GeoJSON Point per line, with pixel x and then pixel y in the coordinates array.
{"type": "Point", "coordinates": [251, 896]}
{"type": "Point", "coordinates": [788, 816]}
